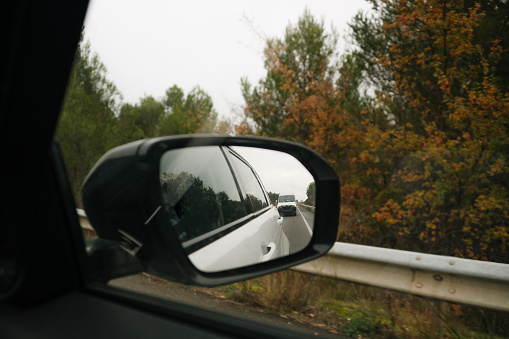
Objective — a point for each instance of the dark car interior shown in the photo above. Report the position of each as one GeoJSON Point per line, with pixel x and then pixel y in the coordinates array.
{"type": "Point", "coordinates": [44, 291]}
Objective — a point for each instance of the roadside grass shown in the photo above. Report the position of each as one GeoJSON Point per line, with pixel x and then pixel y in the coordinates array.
{"type": "Point", "coordinates": [362, 311]}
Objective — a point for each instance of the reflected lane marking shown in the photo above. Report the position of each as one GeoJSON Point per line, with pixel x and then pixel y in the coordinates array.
{"type": "Point", "coordinates": [307, 225]}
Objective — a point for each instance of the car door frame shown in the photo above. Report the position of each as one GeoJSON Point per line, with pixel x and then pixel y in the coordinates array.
{"type": "Point", "coordinates": [53, 298]}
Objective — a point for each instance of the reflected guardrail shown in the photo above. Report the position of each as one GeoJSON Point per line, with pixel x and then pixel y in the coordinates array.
{"type": "Point", "coordinates": [472, 282]}
{"type": "Point", "coordinates": [85, 224]}
{"type": "Point", "coordinates": [308, 207]}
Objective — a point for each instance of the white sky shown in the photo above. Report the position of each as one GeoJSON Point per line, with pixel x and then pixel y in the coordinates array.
{"type": "Point", "coordinates": [150, 45]}
{"type": "Point", "coordinates": [279, 172]}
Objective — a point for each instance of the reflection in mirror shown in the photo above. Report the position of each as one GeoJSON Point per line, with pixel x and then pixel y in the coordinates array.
{"type": "Point", "coordinates": [232, 207]}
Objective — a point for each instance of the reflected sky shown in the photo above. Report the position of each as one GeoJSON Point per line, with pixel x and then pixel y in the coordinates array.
{"type": "Point", "coordinates": [279, 172]}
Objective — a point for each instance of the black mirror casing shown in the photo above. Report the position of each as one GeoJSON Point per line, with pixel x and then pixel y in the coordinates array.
{"type": "Point", "coordinates": [123, 201]}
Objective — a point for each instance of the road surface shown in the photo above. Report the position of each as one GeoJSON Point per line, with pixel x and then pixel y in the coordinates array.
{"type": "Point", "coordinates": [299, 228]}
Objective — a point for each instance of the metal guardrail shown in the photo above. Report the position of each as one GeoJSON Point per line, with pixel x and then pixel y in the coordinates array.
{"type": "Point", "coordinates": [464, 281]}
{"type": "Point", "coordinates": [84, 220]}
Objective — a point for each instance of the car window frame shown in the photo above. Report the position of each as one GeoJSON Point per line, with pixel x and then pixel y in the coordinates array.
{"type": "Point", "coordinates": [208, 238]}
{"type": "Point", "coordinates": [232, 153]}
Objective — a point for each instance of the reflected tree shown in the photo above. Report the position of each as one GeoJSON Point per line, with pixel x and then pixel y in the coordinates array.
{"type": "Point", "coordinates": [257, 203]}
{"type": "Point", "coordinates": [311, 193]}
{"type": "Point", "coordinates": [273, 198]}
{"type": "Point", "coordinates": [195, 209]}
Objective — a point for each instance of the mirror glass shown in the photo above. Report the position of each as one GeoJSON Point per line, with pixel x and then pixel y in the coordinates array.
{"type": "Point", "coordinates": [232, 207]}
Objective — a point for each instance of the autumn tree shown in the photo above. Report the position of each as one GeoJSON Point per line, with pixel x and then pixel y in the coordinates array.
{"type": "Point", "coordinates": [493, 27]}
{"type": "Point", "coordinates": [296, 65]}
{"type": "Point", "coordinates": [303, 96]}
{"type": "Point", "coordinates": [423, 157]}
{"type": "Point", "coordinates": [433, 179]}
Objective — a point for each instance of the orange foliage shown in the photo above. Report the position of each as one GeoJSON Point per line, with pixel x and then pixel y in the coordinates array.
{"type": "Point", "coordinates": [445, 190]}
{"type": "Point", "coordinates": [438, 184]}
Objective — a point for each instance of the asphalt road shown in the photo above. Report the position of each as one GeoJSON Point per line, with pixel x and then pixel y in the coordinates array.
{"type": "Point", "coordinates": [299, 228]}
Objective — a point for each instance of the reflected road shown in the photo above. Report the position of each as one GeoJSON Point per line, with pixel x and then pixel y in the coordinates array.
{"type": "Point", "coordinates": [298, 228]}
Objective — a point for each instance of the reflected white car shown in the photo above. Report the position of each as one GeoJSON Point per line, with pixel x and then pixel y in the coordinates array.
{"type": "Point", "coordinates": [220, 209]}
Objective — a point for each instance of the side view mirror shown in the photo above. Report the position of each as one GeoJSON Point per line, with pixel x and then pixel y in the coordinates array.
{"type": "Point", "coordinates": [197, 209]}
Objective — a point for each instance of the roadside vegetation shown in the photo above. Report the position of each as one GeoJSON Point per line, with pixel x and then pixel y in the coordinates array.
{"type": "Point", "coordinates": [414, 117]}
{"type": "Point", "coordinates": [415, 120]}
{"type": "Point", "coordinates": [361, 311]}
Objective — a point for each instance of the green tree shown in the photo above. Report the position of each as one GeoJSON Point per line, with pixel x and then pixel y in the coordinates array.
{"type": "Point", "coordinates": [273, 197]}
{"type": "Point", "coordinates": [311, 194]}
{"type": "Point", "coordinates": [307, 95]}
{"type": "Point", "coordinates": [493, 27]}
{"type": "Point", "coordinates": [139, 121]}
{"type": "Point", "coordinates": [193, 113]}
{"type": "Point", "coordinates": [87, 120]}
{"type": "Point", "coordinates": [146, 116]}
{"type": "Point", "coordinates": [295, 66]}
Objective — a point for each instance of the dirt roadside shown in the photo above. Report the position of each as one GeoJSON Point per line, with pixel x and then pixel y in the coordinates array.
{"type": "Point", "coordinates": [212, 299]}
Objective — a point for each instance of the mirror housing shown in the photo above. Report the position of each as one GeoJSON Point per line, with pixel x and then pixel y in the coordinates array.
{"type": "Point", "coordinates": [123, 201]}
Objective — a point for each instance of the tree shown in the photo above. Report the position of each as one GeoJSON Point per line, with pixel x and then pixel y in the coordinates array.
{"type": "Point", "coordinates": [273, 198]}
{"type": "Point", "coordinates": [138, 121]}
{"type": "Point", "coordinates": [193, 113]}
{"type": "Point", "coordinates": [145, 117]}
{"type": "Point", "coordinates": [493, 27]}
{"type": "Point", "coordinates": [295, 65]}
{"type": "Point", "coordinates": [88, 116]}
{"type": "Point", "coordinates": [304, 96]}
{"type": "Point", "coordinates": [311, 194]}
{"type": "Point", "coordinates": [433, 180]}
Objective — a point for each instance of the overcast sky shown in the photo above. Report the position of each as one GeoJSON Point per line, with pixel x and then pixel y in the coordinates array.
{"type": "Point", "coordinates": [148, 46]}
{"type": "Point", "coordinates": [279, 172]}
